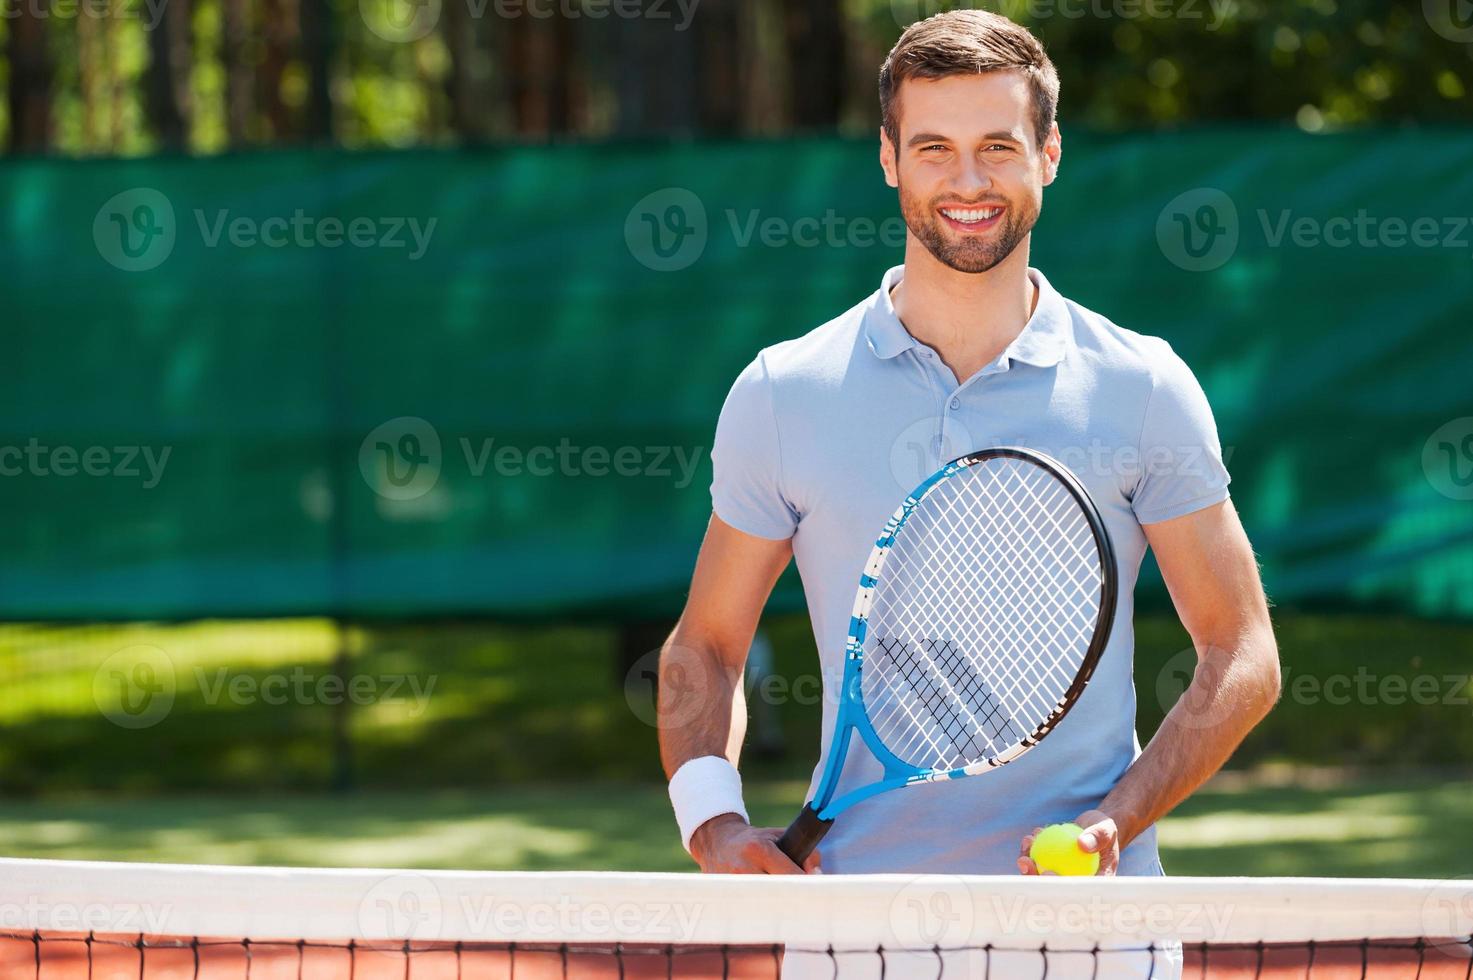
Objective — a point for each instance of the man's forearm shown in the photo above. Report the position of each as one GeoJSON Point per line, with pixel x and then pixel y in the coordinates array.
{"type": "Point", "coordinates": [1231, 691]}
{"type": "Point", "coordinates": [702, 707]}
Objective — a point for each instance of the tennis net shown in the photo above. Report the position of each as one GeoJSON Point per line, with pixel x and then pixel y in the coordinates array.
{"type": "Point", "coordinates": [62, 920]}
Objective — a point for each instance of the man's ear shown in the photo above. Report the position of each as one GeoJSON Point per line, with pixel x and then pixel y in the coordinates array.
{"type": "Point", "coordinates": [887, 159]}
{"type": "Point", "coordinates": [1053, 151]}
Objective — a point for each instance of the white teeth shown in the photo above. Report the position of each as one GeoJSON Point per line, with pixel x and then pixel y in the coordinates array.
{"type": "Point", "coordinates": [971, 217]}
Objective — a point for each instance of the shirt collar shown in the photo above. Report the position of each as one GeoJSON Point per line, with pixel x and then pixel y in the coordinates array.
{"type": "Point", "coordinates": [1042, 342]}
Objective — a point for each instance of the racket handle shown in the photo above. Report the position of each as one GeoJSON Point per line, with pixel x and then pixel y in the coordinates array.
{"type": "Point", "coordinates": [803, 835]}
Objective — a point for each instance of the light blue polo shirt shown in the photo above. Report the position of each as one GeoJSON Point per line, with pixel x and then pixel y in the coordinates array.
{"type": "Point", "coordinates": [821, 438]}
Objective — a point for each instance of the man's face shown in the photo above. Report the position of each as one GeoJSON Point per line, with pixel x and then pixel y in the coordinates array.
{"type": "Point", "coordinates": [968, 167]}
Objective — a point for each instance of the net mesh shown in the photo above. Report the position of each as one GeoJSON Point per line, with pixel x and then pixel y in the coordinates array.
{"type": "Point", "coordinates": [67, 921]}
{"type": "Point", "coordinates": [65, 957]}
{"type": "Point", "coordinates": [982, 615]}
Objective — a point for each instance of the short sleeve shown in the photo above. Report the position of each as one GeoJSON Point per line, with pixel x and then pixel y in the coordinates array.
{"type": "Point", "coordinates": [1180, 465]}
{"type": "Point", "coordinates": [746, 460]}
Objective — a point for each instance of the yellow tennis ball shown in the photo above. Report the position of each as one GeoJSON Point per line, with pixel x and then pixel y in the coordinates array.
{"type": "Point", "coordinates": [1056, 849]}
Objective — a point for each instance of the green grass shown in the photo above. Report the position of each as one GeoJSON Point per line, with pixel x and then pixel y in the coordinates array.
{"type": "Point", "coordinates": [1368, 826]}
{"type": "Point", "coordinates": [456, 704]}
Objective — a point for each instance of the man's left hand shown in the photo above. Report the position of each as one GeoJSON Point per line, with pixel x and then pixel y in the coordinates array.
{"type": "Point", "coordinates": [1100, 836]}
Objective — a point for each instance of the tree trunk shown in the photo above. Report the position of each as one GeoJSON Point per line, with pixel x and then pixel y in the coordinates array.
{"type": "Point", "coordinates": [278, 38]}
{"type": "Point", "coordinates": [316, 19]}
{"type": "Point", "coordinates": [166, 82]}
{"type": "Point", "coordinates": [814, 34]}
{"type": "Point", "coordinates": [720, 66]}
{"type": "Point", "coordinates": [29, 96]}
{"type": "Point", "coordinates": [238, 75]}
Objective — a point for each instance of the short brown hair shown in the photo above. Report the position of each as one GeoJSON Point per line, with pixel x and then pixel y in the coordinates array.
{"type": "Point", "coordinates": [969, 42]}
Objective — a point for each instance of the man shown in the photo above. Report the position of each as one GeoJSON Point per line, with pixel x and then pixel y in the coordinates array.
{"type": "Point", "coordinates": [962, 348]}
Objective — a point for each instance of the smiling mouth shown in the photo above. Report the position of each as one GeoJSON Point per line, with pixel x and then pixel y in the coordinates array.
{"type": "Point", "coordinates": [971, 217]}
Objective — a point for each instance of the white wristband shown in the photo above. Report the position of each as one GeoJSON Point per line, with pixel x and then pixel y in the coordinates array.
{"type": "Point", "coordinates": [704, 788]}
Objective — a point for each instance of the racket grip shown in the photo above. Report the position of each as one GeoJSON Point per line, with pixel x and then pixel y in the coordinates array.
{"type": "Point", "coordinates": [803, 835]}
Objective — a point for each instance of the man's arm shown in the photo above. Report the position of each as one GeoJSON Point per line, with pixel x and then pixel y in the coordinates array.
{"type": "Point", "coordinates": [1212, 576]}
{"type": "Point", "coordinates": [702, 707]}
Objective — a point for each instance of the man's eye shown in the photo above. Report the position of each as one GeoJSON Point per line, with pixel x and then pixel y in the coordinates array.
{"type": "Point", "coordinates": [933, 146]}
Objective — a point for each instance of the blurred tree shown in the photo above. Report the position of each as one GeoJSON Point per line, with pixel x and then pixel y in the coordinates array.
{"type": "Point", "coordinates": [542, 74]}
{"type": "Point", "coordinates": [166, 80]}
{"type": "Point", "coordinates": [277, 42]}
{"type": "Point", "coordinates": [316, 26]}
{"type": "Point", "coordinates": [814, 36]}
{"type": "Point", "coordinates": [215, 74]}
{"type": "Point", "coordinates": [238, 71]}
{"type": "Point", "coordinates": [28, 94]}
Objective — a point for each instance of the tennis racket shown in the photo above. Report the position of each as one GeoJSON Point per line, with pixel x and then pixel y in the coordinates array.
{"type": "Point", "coordinates": [982, 612]}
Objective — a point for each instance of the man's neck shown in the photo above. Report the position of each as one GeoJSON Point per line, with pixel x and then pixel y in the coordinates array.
{"type": "Point", "coordinates": [968, 318]}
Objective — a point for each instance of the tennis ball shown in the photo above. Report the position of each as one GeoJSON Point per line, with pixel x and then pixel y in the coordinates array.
{"type": "Point", "coordinates": [1056, 849]}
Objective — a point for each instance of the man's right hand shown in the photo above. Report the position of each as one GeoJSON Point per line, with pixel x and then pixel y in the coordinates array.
{"type": "Point", "coordinates": [729, 845]}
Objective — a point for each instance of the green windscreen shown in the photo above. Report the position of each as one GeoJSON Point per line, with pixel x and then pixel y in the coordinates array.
{"type": "Point", "coordinates": [486, 381]}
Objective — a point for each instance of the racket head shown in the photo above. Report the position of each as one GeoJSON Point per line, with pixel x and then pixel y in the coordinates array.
{"type": "Point", "coordinates": [982, 614]}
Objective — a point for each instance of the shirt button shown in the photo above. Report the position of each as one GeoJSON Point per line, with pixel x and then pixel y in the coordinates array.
{"type": "Point", "coordinates": [925, 353]}
{"type": "Point", "coordinates": [956, 403]}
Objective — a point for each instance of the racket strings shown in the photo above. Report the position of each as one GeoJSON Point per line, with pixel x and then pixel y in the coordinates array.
{"type": "Point", "coordinates": [982, 617]}
{"type": "Point", "coordinates": [970, 716]}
